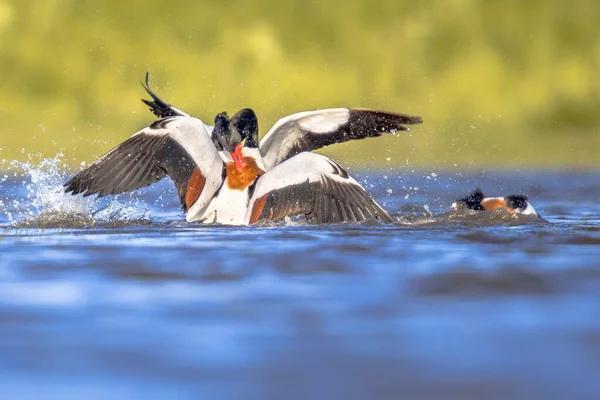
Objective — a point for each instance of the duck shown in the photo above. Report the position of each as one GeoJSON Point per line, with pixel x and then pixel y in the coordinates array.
{"type": "Point", "coordinates": [307, 184]}
{"type": "Point", "coordinates": [477, 200]}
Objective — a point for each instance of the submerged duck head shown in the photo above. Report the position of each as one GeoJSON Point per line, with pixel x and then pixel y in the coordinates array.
{"type": "Point", "coordinates": [470, 202]}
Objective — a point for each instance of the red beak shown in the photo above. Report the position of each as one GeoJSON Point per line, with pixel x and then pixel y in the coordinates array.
{"type": "Point", "coordinates": [237, 157]}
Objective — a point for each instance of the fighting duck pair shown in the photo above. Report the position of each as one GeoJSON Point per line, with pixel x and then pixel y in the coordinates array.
{"type": "Point", "coordinates": [224, 174]}
{"type": "Point", "coordinates": [221, 180]}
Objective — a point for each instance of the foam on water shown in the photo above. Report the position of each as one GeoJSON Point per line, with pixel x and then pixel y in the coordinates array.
{"type": "Point", "coordinates": [436, 305]}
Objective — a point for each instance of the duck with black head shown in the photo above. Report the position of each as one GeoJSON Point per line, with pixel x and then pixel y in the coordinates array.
{"type": "Point", "coordinates": [241, 173]}
{"type": "Point", "coordinates": [306, 184]}
{"type": "Point", "coordinates": [515, 203]}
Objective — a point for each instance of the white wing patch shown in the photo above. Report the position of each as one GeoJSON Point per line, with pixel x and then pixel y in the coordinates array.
{"type": "Point", "coordinates": [192, 135]}
{"type": "Point", "coordinates": [338, 117]}
{"type": "Point", "coordinates": [325, 121]}
{"type": "Point", "coordinates": [305, 167]}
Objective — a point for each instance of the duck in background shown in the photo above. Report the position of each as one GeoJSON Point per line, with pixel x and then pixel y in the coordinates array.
{"type": "Point", "coordinates": [514, 204]}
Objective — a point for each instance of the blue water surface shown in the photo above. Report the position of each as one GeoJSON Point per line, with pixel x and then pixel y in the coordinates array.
{"type": "Point", "coordinates": [120, 298]}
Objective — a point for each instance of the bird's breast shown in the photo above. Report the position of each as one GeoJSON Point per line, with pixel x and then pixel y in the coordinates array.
{"type": "Point", "coordinates": [241, 178]}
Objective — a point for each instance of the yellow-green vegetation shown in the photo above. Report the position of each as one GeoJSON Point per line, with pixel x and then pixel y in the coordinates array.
{"type": "Point", "coordinates": [510, 82]}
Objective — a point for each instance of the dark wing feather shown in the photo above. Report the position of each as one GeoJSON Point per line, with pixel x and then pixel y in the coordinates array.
{"type": "Point", "coordinates": [324, 202]}
{"type": "Point", "coordinates": [179, 147]}
{"type": "Point", "coordinates": [136, 163]}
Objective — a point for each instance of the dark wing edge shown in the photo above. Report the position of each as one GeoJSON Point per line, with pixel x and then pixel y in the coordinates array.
{"type": "Point", "coordinates": [361, 124]}
{"type": "Point", "coordinates": [136, 163]}
{"type": "Point", "coordinates": [371, 123]}
{"type": "Point", "coordinates": [158, 107]}
{"type": "Point", "coordinates": [324, 202]}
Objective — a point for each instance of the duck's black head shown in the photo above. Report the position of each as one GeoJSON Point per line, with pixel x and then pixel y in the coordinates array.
{"type": "Point", "coordinates": [472, 201]}
{"type": "Point", "coordinates": [246, 124]}
{"type": "Point", "coordinates": [221, 134]}
{"type": "Point", "coordinates": [516, 202]}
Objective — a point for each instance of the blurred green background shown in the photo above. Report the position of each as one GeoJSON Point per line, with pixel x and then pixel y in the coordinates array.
{"type": "Point", "coordinates": [509, 82]}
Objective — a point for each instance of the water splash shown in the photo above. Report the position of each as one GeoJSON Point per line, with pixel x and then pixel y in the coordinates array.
{"type": "Point", "coordinates": [38, 199]}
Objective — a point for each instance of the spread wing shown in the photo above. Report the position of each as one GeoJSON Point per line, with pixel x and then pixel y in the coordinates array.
{"type": "Point", "coordinates": [311, 130]}
{"type": "Point", "coordinates": [175, 146]}
{"type": "Point", "coordinates": [315, 186]}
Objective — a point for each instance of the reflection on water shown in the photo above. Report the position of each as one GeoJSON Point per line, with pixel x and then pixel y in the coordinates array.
{"type": "Point", "coordinates": [120, 298]}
